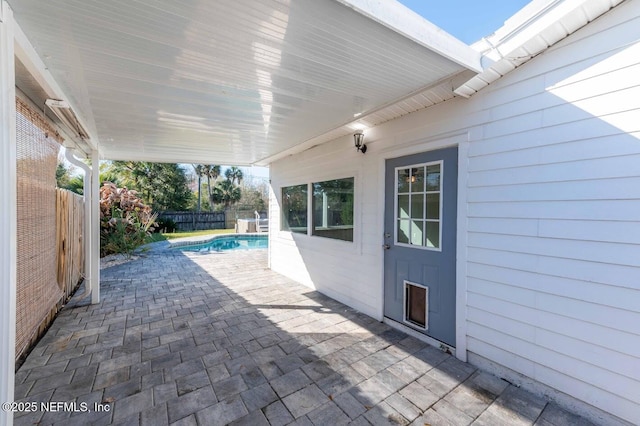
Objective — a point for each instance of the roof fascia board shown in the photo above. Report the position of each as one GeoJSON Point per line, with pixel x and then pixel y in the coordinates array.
{"type": "Point", "coordinates": [508, 39]}
{"type": "Point", "coordinates": [27, 54]}
{"type": "Point", "coordinates": [404, 21]}
{"type": "Point", "coordinates": [520, 31]}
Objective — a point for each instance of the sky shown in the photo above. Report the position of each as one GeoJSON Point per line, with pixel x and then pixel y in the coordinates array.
{"type": "Point", "coordinates": [467, 20]}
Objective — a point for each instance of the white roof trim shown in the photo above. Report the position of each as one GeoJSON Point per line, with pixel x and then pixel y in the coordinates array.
{"type": "Point", "coordinates": [522, 36]}
{"type": "Point", "coordinates": [25, 52]}
{"type": "Point", "coordinates": [403, 20]}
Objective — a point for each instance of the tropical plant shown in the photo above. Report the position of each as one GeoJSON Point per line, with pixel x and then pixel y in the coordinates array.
{"type": "Point", "coordinates": [67, 179]}
{"type": "Point", "coordinates": [253, 198]}
{"type": "Point", "coordinates": [199, 170]}
{"type": "Point", "coordinates": [63, 175]}
{"type": "Point", "coordinates": [165, 225]}
{"type": "Point", "coordinates": [227, 193]}
{"type": "Point", "coordinates": [125, 221]}
{"type": "Point", "coordinates": [212, 172]}
{"type": "Point", "coordinates": [164, 186]}
{"type": "Point", "coordinates": [234, 174]}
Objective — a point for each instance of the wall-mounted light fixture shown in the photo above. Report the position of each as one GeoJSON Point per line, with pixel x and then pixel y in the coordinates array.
{"type": "Point", "coordinates": [412, 178]}
{"type": "Point", "coordinates": [358, 139]}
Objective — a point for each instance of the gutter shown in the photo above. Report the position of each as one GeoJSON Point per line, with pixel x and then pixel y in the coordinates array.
{"type": "Point", "coordinates": [528, 33]}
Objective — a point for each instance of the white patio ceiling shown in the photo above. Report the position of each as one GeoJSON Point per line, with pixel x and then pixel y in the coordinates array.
{"type": "Point", "coordinates": [236, 81]}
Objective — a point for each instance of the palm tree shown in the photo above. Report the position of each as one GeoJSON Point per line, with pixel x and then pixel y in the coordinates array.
{"type": "Point", "coordinates": [226, 192]}
{"type": "Point", "coordinates": [199, 169]}
{"type": "Point", "coordinates": [234, 174]}
{"type": "Point", "coordinates": [212, 172]}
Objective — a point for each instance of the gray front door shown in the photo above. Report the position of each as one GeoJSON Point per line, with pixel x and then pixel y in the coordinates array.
{"type": "Point", "coordinates": [420, 241]}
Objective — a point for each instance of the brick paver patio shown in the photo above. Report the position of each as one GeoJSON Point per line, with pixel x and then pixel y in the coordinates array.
{"type": "Point", "coordinates": [188, 339]}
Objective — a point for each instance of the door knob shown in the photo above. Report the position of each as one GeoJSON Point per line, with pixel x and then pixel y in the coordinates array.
{"type": "Point", "coordinates": [387, 235]}
{"type": "Point", "coordinates": [386, 246]}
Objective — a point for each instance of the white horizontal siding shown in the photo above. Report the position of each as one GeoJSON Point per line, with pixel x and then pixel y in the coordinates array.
{"type": "Point", "coordinates": [596, 168]}
{"type": "Point", "coordinates": [325, 264]}
{"type": "Point", "coordinates": [592, 251]}
{"type": "Point", "coordinates": [611, 231]}
{"type": "Point", "coordinates": [591, 272]}
{"type": "Point", "coordinates": [529, 306]}
{"type": "Point", "coordinates": [605, 210]}
{"type": "Point", "coordinates": [588, 129]}
{"type": "Point", "coordinates": [596, 382]}
{"type": "Point", "coordinates": [553, 242]}
{"type": "Point", "coordinates": [570, 347]}
{"type": "Point", "coordinates": [587, 189]}
{"type": "Point", "coordinates": [559, 152]}
{"type": "Point", "coordinates": [552, 204]}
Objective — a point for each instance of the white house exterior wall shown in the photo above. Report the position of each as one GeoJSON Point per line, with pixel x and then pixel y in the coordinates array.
{"type": "Point", "coordinates": [552, 215]}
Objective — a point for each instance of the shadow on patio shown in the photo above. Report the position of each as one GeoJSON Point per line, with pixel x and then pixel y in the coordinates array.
{"type": "Point", "coordinates": [214, 339]}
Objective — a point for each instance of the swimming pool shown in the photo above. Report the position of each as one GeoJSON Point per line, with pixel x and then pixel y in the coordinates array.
{"type": "Point", "coordinates": [228, 242]}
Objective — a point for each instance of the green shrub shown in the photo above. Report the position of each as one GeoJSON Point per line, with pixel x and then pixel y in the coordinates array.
{"type": "Point", "coordinates": [165, 225]}
{"type": "Point", "coordinates": [125, 222]}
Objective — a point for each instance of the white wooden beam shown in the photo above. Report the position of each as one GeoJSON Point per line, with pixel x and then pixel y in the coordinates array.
{"type": "Point", "coordinates": [8, 212]}
{"type": "Point", "coordinates": [87, 231]}
{"type": "Point", "coordinates": [94, 199]}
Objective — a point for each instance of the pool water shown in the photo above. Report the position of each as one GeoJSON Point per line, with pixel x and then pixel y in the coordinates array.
{"type": "Point", "coordinates": [248, 242]}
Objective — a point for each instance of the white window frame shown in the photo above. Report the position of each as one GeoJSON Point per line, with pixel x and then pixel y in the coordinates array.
{"type": "Point", "coordinates": [289, 231]}
{"type": "Point", "coordinates": [311, 211]}
{"type": "Point", "coordinates": [395, 206]}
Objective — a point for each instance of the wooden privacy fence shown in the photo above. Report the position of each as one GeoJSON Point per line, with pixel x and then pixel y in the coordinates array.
{"type": "Point", "coordinates": [69, 240]}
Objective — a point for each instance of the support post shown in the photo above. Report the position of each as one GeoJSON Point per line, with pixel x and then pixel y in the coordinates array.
{"type": "Point", "coordinates": [95, 227]}
{"type": "Point", "coordinates": [87, 231]}
{"type": "Point", "coordinates": [8, 211]}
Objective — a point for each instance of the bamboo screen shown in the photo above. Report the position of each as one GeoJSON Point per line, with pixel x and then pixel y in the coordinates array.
{"type": "Point", "coordinates": [37, 289]}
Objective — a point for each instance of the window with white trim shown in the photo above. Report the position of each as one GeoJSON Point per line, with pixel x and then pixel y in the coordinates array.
{"type": "Point", "coordinates": [333, 209]}
{"type": "Point", "coordinates": [418, 205]}
{"type": "Point", "coordinates": [294, 208]}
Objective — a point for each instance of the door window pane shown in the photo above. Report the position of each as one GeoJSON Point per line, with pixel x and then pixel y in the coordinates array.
{"type": "Point", "coordinates": [417, 206]}
{"type": "Point", "coordinates": [433, 206]}
{"type": "Point", "coordinates": [294, 208]}
{"type": "Point", "coordinates": [403, 206]}
{"type": "Point", "coordinates": [433, 177]}
{"type": "Point", "coordinates": [404, 180]}
{"type": "Point", "coordinates": [433, 235]}
{"type": "Point", "coordinates": [418, 197]}
{"type": "Point", "coordinates": [403, 231]}
{"type": "Point", "coordinates": [417, 179]}
{"type": "Point", "coordinates": [417, 227]}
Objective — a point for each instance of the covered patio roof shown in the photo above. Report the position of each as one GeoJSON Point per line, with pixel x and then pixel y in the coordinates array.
{"type": "Point", "coordinates": [234, 81]}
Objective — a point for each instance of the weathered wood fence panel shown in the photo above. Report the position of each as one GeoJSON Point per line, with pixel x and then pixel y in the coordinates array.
{"type": "Point", "coordinates": [193, 221]}
{"type": "Point", "coordinates": [69, 240]}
